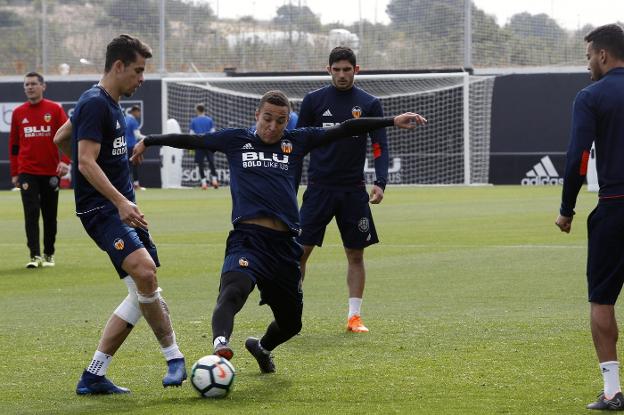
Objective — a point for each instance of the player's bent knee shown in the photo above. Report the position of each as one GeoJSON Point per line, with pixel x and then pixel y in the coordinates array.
{"type": "Point", "coordinates": [147, 298]}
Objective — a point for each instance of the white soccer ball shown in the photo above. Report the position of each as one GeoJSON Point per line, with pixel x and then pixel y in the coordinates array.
{"type": "Point", "coordinates": [212, 376]}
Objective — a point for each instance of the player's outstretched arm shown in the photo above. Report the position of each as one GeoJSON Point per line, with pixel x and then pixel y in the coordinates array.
{"type": "Point", "coordinates": [357, 126]}
{"type": "Point", "coordinates": [186, 141]}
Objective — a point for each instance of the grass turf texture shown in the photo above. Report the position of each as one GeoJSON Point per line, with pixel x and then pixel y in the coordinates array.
{"type": "Point", "coordinates": [475, 301]}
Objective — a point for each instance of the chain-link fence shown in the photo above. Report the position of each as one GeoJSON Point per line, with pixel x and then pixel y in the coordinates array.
{"type": "Point", "coordinates": [70, 36]}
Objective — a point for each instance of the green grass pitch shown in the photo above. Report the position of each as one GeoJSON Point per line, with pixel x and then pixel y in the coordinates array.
{"type": "Point", "coordinates": [476, 304]}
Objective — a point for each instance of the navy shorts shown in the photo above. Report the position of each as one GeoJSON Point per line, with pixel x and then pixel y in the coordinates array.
{"type": "Point", "coordinates": [351, 209]}
{"type": "Point", "coordinates": [605, 256]}
{"type": "Point", "coordinates": [271, 259]}
{"type": "Point", "coordinates": [119, 240]}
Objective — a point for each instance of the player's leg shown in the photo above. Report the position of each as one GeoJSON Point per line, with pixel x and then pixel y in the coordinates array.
{"type": "Point", "coordinates": [213, 170]}
{"type": "Point", "coordinates": [317, 210]}
{"type": "Point", "coordinates": [233, 292]}
{"type": "Point", "coordinates": [200, 155]}
{"type": "Point", "coordinates": [283, 293]}
{"type": "Point", "coordinates": [49, 208]}
{"type": "Point", "coordinates": [605, 271]}
{"type": "Point", "coordinates": [307, 251]}
{"type": "Point", "coordinates": [31, 202]}
{"type": "Point", "coordinates": [357, 230]}
{"type": "Point", "coordinates": [117, 329]}
{"type": "Point", "coordinates": [141, 267]}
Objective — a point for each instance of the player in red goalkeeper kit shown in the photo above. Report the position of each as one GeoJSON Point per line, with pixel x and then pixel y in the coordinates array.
{"type": "Point", "coordinates": [36, 166]}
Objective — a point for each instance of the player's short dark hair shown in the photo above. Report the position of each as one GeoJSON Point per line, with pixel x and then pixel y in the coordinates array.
{"type": "Point", "coordinates": [608, 37]}
{"type": "Point", "coordinates": [200, 108]}
{"type": "Point", "coordinates": [125, 48]}
{"type": "Point", "coordinates": [276, 98]}
{"type": "Point", "coordinates": [33, 74]}
{"type": "Point", "coordinates": [135, 108]}
{"type": "Point", "coordinates": [341, 53]}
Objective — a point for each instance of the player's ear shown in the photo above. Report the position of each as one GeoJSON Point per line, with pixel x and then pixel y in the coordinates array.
{"type": "Point", "coordinates": [356, 69]}
{"type": "Point", "coordinates": [118, 66]}
{"type": "Point", "coordinates": [328, 69]}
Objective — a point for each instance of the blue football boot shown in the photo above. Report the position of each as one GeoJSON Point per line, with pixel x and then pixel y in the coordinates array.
{"type": "Point", "coordinates": [176, 373]}
{"type": "Point", "coordinates": [90, 384]}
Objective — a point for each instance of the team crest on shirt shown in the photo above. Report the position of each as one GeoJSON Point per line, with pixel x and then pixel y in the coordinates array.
{"type": "Point", "coordinates": [363, 225]}
{"type": "Point", "coordinates": [47, 117]}
{"type": "Point", "coordinates": [356, 112]}
{"type": "Point", "coordinates": [119, 244]}
{"type": "Point", "coordinates": [242, 261]}
{"type": "Point", "coordinates": [286, 146]}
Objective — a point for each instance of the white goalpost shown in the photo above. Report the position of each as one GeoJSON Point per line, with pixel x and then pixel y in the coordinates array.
{"type": "Point", "coordinates": [452, 149]}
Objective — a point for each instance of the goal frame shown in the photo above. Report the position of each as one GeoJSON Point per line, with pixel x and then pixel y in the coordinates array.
{"type": "Point", "coordinates": [465, 77]}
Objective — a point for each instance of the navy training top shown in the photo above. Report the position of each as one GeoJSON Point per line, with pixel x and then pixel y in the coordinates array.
{"type": "Point", "coordinates": [263, 177]}
{"type": "Point", "coordinates": [98, 117]}
{"type": "Point", "coordinates": [341, 163]}
{"type": "Point", "coordinates": [598, 116]}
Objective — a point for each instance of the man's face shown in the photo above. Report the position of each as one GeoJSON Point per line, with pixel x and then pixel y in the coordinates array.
{"type": "Point", "coordinates": [270, 122]}
{"type": "Point", "coordinates": [342, 73]}
{"type": "Point", "coordinates": [33, 89]}
{"type": "Point", "coordinates": [136, 114]}
{"type": "Point", "coordinates": [130, 77]}
{"type": "Point", "coordinates": [594, 58]}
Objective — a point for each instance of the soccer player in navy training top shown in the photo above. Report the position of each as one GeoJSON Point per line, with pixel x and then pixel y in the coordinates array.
{"type": "Point", "coordinates": [336, 184]}
{"type": "Point", "coordinates": [598, 116]}
{"type": "Point", "coordinates": [202, 124]}
{"type": "Point", "coordinates": [261, 250]}
{"type": "Point", "coordinates": [105, 204]}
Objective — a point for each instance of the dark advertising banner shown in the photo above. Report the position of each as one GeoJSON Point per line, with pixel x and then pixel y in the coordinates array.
{"type": "Point", "coordinates": [531, 116]}
{"type": "Point", "coordinates": [67, 93]}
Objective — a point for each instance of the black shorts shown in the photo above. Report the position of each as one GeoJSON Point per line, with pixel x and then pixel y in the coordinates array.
{"type": "Point", "coordinates": [351, 209]}
{"type": "Point", "coordinates": [270, 258]}
{"type": "Point", "coordinates": [605, 256]}
{"type": "Point", "coordinates": [119, 240]}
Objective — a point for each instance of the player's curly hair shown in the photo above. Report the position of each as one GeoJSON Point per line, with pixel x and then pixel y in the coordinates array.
{"type": "Point", "coordinates": [125, 48]}
{"type": "Point", "coordinates": [608, 37]}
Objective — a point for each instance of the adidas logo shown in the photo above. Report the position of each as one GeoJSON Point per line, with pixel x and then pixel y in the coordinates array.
{"type": "Point", "coordinates": [248, 146]}
{"type": "Point", "coordinates": [25, 121]}
{"type": "Point", "coordinates": [543, 173]}
{"type": "Point", "coordinates": [327, 113]}
{"type": "Point", "coordinates": [118, 126]}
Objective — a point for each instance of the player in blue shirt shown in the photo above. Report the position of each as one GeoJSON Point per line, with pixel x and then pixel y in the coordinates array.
{"type": "Point", "coordinates": [105, 204]}
{"type": "Point", "coordinates": [202, 124]}
{"type": "Point", "coordinates": [261, 250]}
{"type": "Point", "coordinates": [293, 118]}
{"type": "Point", "coordinates": [598, 116]}
{"type": "Point", "coordinates": [336, 184]}
{"type": "Point", "coordinates": [133, 134]}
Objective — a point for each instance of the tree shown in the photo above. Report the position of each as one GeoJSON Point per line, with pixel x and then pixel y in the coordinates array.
{"type": "Point", "coordinates": [302, 18]}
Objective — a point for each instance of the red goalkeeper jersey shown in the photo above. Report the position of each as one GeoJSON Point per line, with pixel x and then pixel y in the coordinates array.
{"type": "Point", "coordinates": [31, 146]}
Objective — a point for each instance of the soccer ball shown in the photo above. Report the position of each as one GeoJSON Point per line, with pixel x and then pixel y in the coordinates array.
{"type": "Point", "coordinates": [212, 376]}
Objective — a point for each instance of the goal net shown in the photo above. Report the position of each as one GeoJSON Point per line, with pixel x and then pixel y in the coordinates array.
{"type": "Point", "coordinates": [453, 148]}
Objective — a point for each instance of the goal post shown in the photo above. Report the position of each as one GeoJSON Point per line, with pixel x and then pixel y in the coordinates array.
{"type": "Point", "coordinates": [453, 148]}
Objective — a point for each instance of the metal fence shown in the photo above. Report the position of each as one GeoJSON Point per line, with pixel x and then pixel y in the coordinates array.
{"type": "Point", "coordinates": [70, 36]}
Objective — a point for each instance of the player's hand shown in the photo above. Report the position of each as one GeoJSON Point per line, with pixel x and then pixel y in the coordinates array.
{"type": "Point", "coordinates": [564, 223]}
{"type": "Point", "coordinates": [62, 169]}
{"type": "Point", "coordinates": [137, 153]}
{"type": "Point", "coordinates": [376, 195]}
{"type": "Point", "coordinates": [131, 215]}
{"type": "Point", "coordinates": [15, 181]}
{"type": "Point", "coordinates": [409, 120]}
